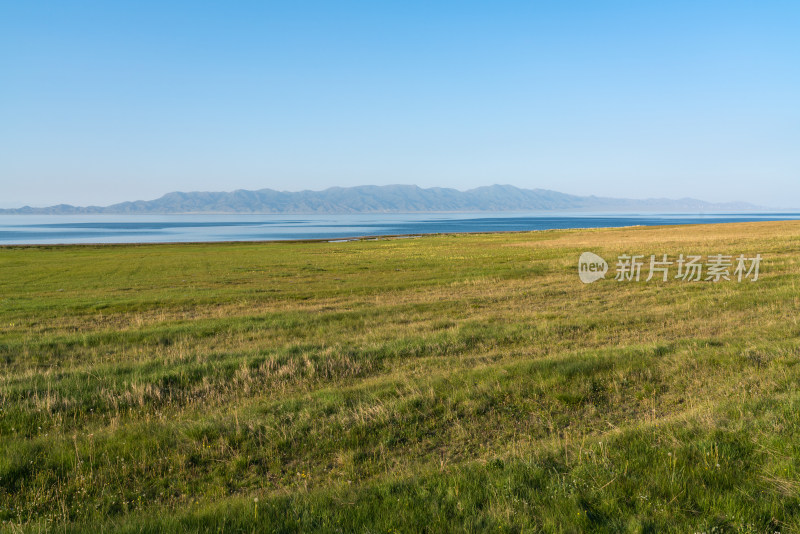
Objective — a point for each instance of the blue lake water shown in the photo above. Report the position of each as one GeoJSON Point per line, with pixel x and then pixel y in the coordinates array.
{"type": "Point", "coordinates": [60, 229]}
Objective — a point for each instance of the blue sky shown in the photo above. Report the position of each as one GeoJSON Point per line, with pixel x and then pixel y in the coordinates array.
{"type": "Point", "coordinates": [102, 102]}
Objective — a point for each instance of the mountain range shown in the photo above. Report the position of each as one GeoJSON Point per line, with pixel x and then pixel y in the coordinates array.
{"type": "Point", "coordinates": [385, 199]}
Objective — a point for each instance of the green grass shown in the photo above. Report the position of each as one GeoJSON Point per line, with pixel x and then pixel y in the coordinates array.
{"type": "Point", "coordinates": [441, 384]}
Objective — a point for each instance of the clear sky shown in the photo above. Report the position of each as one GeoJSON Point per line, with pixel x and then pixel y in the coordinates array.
{"type": "Point", "coordinates": [108, 101]}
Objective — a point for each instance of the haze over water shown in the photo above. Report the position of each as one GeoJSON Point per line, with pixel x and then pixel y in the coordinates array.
{"type": "Point", "coordinates": [58, 229]}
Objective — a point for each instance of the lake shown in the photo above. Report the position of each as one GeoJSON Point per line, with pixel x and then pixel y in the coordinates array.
{"type": "Point", "coordinates": [61, 229]}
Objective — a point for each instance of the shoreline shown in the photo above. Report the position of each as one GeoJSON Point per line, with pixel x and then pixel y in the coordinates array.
{"type": "Point", "coordinates": [377, 237]}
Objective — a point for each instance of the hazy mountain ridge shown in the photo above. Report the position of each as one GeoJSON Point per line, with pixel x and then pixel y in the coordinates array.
{"type": "Point", "coordinates": [384, 199]}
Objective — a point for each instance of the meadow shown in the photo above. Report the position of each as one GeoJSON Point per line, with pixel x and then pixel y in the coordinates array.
{"type": "Point", "coordinates": [446, 383]}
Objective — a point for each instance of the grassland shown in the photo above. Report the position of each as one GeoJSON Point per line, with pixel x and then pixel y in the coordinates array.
{"type": "Point", "coordinates": [440, 384]}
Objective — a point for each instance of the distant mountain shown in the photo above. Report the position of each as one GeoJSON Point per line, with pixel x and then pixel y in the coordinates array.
{"type": "Point", "coordinates": [385, 199]}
